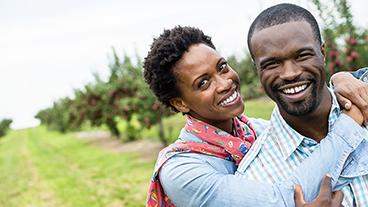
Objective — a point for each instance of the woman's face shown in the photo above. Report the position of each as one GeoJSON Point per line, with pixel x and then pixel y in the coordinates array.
{"type": "Point", "coordinates": [209, 87]}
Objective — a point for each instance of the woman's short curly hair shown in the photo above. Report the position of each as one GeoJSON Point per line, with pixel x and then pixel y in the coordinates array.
{"type": "Point", "coordinates": [165, 52]}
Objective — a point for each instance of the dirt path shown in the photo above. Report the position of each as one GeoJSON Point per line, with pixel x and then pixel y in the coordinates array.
{"type": "Point", "coordinates": [146, 149]}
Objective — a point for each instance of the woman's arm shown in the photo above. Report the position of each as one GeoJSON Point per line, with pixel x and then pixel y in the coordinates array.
{"type": "Point", "coordinates": [352, 88]}
{"type": "Point", "coordinates": [190, 180]}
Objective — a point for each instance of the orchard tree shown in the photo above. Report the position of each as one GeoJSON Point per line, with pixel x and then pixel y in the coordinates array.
{"type": "Point", "coordinates": [125, 82]}
{"type": "Point", "coordinates": [98, 110]}
{"type": "Point", "coordinates": [132, 97]}
{"type": "Point", "coordinates": [57, 116]}
{"type": "Point", "coordinates": [251, 86]}
{"type": "Point", "coordinates": [151, 112]}
{"type": "Point", "coordinates": [345, 42]}
{"type": "Point", "coordinates": [4, 126]}
{"type": "Point", "coordinates": [78, 110]}
{"type": "Point", "coordinates": [124, 95]}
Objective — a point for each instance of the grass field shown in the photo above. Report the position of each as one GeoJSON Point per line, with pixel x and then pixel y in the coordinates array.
{"type": "Point", "coordinates": [42, 168]}
{"type": "Point", "coordinates": [39, 168]}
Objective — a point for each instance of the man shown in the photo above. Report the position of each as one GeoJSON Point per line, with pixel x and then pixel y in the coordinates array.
{"type": "Point", "coordinates": [197, 177]}
{"type": "Point", "coordinates": [285, 44]}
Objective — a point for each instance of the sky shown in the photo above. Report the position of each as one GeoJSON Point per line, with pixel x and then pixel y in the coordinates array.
{"type": "Point", "coordinates": [48, 48]}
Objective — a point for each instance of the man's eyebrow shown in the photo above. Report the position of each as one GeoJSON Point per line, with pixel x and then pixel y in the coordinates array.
{"type": "Point", "coordinates": [305, 49]}
{"type": "Point", "coordinates": [276, 59]}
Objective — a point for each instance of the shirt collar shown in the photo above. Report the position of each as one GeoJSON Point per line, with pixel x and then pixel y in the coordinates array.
{"type": "Point", "coordinates": [288, 139]}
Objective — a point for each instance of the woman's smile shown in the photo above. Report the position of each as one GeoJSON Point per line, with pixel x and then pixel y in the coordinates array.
{"type": "Point", "coordinates": [230, 100]}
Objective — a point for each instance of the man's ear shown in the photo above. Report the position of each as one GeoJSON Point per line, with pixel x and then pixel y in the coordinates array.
{"type": "Point", "coordinates": [323, 51]}
{"type": "Point", "coordinates": [179, 104]}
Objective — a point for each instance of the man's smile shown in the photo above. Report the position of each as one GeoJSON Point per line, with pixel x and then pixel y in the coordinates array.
{"type": "Point", "coordinates": [296, 91]}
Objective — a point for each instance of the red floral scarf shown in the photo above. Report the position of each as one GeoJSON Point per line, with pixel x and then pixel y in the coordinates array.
{"type": "Point", "coordinates": [216, 143]}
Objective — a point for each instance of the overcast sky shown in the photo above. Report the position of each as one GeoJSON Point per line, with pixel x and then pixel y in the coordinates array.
{"type": "Point", "coordinates": [48, 48]}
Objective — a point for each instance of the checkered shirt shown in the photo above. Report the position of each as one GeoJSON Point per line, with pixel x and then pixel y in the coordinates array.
{"type": "Point", "coordinates": [280, 149]}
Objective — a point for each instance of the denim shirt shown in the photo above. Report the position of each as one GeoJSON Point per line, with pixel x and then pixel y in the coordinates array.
{"type": "Point", "coordinates": [361, 74]}
{"type": "Point", "coordinates": [191, 179]}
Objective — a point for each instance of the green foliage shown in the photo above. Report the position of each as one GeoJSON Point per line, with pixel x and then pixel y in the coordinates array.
{"type": "Point", "coordinates": [345, 43]}
{"type": "Point", "coordinates": [101, 103]}
{"type": "Point", "coordinates": [4, 126]}
{"type": "Point", "coordinates": [57, 117]}
{"type": "Point", "coordinates": [249, 81]}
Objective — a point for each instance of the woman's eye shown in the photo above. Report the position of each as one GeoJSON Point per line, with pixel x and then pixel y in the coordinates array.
{"type": "Point", "coordinates": [202, 83]}
{"type": "Point", "coordinates": [223, 66]}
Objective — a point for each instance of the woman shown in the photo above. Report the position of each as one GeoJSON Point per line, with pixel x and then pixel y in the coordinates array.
{"type": "Point", "coordinates": [186, 74]}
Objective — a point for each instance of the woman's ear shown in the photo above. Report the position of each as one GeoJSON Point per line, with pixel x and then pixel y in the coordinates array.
{"type": "Point", "coordinates": [179, 104]}
{"type": "Point", "coordinates": [323, 51]}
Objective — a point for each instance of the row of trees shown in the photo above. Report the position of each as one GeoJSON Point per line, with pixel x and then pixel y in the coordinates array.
{"type": "Point", "coordinates": [4, 126]}
{"type": "Point", "coordinates": [123, 96]}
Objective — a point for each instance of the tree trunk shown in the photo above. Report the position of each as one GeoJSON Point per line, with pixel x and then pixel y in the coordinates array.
{"type": "Point", "coordinates": [111, 124]}
{"type": "Point", "coordinates": [162, 133]}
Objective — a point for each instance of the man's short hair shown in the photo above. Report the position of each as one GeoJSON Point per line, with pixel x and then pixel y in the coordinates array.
{"type": "Point", "coordinates": [283, 13]}
{"type": "Point", "coordinates": [165, 52]}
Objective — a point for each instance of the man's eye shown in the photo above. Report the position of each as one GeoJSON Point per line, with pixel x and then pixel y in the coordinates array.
{"type": "Point", "coordinates": [271, 65]}
{"type": "Point", "coordinates": [304, 56]}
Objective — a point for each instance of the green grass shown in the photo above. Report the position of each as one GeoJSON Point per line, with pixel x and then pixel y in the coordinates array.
{"type": "Point", "coordinates": [259, 108]}
{"type": "Point", "coordinates": [44, 168]}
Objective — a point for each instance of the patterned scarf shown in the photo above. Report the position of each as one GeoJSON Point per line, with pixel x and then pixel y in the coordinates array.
{"type": "Point", "coordinates": [216, 143]}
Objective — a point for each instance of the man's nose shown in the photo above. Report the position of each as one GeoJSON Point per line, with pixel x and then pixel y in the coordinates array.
{"type": "Point", "coordinates": [290, 70]}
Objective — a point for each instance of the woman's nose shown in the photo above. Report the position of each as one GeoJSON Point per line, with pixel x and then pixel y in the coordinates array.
{"type": "Point", "coordinates": [224, 84]}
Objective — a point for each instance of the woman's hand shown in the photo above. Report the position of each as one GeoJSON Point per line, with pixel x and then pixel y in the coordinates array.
{"type": "Point", "coordinates": [355, 114]}
{"type": "Point", "coordinates": [349, 91]}
{"type": "Point", "coordinates": [326, 197]}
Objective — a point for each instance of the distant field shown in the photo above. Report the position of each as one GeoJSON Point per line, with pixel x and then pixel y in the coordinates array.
{"type": "Point", "coordinates": [39, 168]}
{"type": "Point", "coordinates": [259, 108]}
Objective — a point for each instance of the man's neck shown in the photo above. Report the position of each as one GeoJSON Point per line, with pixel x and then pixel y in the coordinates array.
{"type": "Point", "coordinates": [315, 124]}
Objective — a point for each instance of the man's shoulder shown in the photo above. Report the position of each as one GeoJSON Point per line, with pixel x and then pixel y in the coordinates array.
{"type": "Point", "coordinates": [361, 74]}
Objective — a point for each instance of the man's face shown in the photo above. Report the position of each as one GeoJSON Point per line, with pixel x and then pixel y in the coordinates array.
{"type": "Point", "coordinates": [290, 63]}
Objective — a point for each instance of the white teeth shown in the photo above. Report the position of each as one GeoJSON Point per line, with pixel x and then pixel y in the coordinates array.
{"type": "Point", "coordinates": [294, 90]}
{"type": "Point", "coordinates": [230, 99]}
